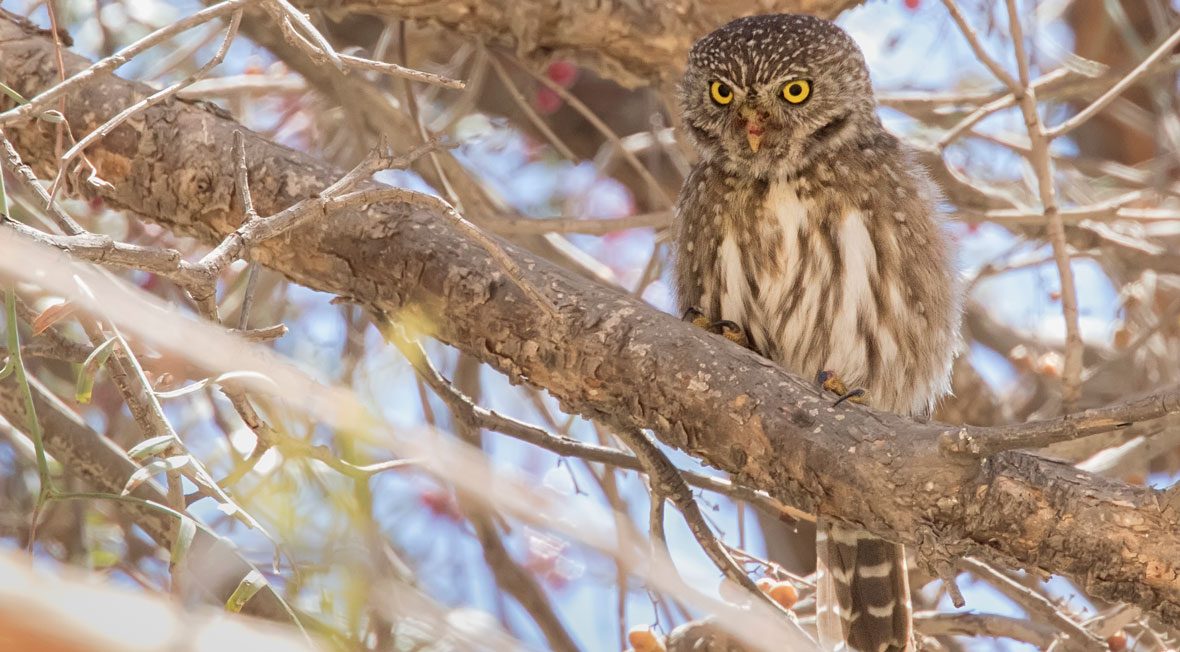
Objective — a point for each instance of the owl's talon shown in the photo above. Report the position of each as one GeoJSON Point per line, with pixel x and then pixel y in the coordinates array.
{"type": "Point", "coordinates": [730, 331]}
{"type": "Point", "coordinates": [829, 381]}
{"type": "Point", "coordinates": [696, 318]}
{"type": "Point", "coordinates": [858, 395]}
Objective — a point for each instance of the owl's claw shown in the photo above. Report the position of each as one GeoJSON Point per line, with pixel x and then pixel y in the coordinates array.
{"type": "Point", "coordinates": [730, 331]}
{"type": "Point", "coordinates": [723, 327]}
{"type": "Point", "coordinates": [696, 318]}
{"type": "Point", "coordinates": [829, 381]}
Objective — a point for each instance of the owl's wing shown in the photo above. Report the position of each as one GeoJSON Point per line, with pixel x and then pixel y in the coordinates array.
{"type": "Point", "coordinates": [685, 246]}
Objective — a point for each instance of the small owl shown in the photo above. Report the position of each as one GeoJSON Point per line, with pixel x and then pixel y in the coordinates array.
{"type": "Point", "coordinates": [814, 231]}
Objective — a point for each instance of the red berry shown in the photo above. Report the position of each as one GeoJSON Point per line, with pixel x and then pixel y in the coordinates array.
{"type": "Point", "coordinates": [546, 100]}
{"type": "Point", "coordinates": [562, 72]}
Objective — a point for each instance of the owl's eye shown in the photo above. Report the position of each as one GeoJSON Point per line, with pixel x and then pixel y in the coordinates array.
{"type": "Point", "coordinates": [720, 93]}
{"type": "Point", "coordinates": [797, 92]}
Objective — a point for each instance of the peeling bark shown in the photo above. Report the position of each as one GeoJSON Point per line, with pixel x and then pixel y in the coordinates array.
{"type": "Point", "coordinates": [611, 358]}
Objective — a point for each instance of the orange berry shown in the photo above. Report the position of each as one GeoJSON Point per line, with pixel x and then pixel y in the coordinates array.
{"type": "Point", "coordinates": [765, 584]}
{"type": "Point", "coordinates": [785, 594]}
{"type": "Point", "coordinates": [1117, 642]}
{"type": "Point", "coordinates": [1122, 338]}
{"type": "Point", "coordinates": [642, 639]}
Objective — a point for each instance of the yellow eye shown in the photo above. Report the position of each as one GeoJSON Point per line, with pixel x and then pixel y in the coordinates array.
{"type": "Point", "coordinates": [720, 93]}
{"type": "Point", "coordinates": [797, 92]}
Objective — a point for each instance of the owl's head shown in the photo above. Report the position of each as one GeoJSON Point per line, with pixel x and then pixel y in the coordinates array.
{"type": "Point", "coordinates": [763, 95]}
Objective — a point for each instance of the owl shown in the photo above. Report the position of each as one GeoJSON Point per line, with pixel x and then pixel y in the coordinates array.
{"type": "Point", "coordinates": [812, 231]}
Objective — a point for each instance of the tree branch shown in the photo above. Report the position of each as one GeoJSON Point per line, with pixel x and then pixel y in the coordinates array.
{"type": "Point", "coordinates": [611, 358]}
{"type": "Point", "coordinates": [601, 35]}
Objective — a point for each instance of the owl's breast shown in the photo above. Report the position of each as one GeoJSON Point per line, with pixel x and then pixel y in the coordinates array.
{"type": "Point", "coordinates": [801, 274]}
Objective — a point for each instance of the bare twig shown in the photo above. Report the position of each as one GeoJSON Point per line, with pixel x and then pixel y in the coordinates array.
{"type": "Point", "coordinates": [982, 442]}
{"type": "Point", "coordinates": [1041, 162]}
{"type": "Point", "coordinates": [318, 48]}
{"type": "Point", "coordinates": [530, 226]}
{"type": "Point", "coordinates": [603, 128]}
{"type": "Point", "coordinates": [108, 64]}
{"type": "Point", "coordinates": [155, 98]}
{"type": "Point", "coordinates": [462, 406]}
{"type": "Point", "coordinates": [666, 482]}
{"type": "Point", "coordinates": [1038, 606]}
{"type": "Point", "coordinates": [528, 110]}
{"type": "Point", "coordinates": [1113, 92]}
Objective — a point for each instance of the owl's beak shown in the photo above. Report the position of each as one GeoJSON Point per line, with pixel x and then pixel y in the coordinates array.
{"type": "Point", "coordinates": [754, 128]}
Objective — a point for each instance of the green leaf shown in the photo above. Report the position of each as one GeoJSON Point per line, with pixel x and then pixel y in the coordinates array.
{"type": "Point", "coordinates": [142, 474]}
{"type": "Point", "coordinates": [250, 584]}
{"type": "Point", "coordinates": [17, 97]}
{"type": "Point", "coordinates": [89, 370]}
{"type": "Point", "coordinates": [151, 447]}
{"type": "Point", "coordinates": [184, 540]}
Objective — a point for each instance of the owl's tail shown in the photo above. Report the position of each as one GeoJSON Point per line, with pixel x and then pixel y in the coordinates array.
{"type": "Point", "coordinates": [864, 591]}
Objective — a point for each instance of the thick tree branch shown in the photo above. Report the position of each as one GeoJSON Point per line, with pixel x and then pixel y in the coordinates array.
{"type": "Point", "coordinates": [611, 358]}
{"type": "Point", "coordinates": [603, 35]}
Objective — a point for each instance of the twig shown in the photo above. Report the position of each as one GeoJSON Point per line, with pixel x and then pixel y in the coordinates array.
{"type": "Point", "coordinates": [933, 623]}
{"type": "Point", "coordinates": [1037, 605]}
{"type": "Point", "coordinates": [395, 70]}
{"type": "Point", "coordinates": [513, 578]}
{"type": "Point", "coordinates": [107, 64]}
{"type": "Point", "coordinates": [603, 128]}
{"type": "Point", "coordinates": [1071, 375]}
{"type": "Point", "coordinates": [29, 180]}
{"type": "Point", "coordinates": [666, 482]}
{"type": "Point", "coordinates": [1041, 162]}
{"type": "Point", "coordinates": [977, 47]}
{"type": "Point", "coordinates": [538, 226]}
{"type": "Point", "coordinates": [487, 419]}
{"type": "Point", "coordinates": [318, 48]}
{"type": "Point", "coordinates": [982, 442]}
{"type": "Point", "coordinates": [528, 110]}
{"type": "Point", "coordinates": [1123, 84]}
{"type": "Point", "coordinates": [998, 104]}
{"type": "Point", "coordinates": [254, 230]}
{"type": "Point", "coordinates": [155, 98]}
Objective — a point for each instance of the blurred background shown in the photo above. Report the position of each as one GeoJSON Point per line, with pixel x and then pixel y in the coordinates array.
{"type": "Point", "coordinates": [566, 153]}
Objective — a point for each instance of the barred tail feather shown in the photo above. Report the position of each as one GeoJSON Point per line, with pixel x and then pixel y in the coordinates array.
{"type": "Point", "coordinates": [863, 593]}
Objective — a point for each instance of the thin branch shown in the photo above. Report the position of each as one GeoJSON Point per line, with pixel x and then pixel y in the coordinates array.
{"type": "Point", "coordinates": [536, 226]}
{"type": "Point", "coordinates": [1123, 84]}
{"type": "Point", "coordinates": [603, 128]}
{"type": "Point", "coordinates": [983, 442]}
{"type": "Point", "coordinates": [107, 127]}
{"type": "Point", "coordinates": [395, 70]}
{"type": "Point", "coordinates": [977, 47]}
{"type": "Point", "coordinates": [529, 112]}
{"type": "Point", "coordinates": [667, 482]}
{"type": "Point", "coordinates": [933, 623]}
{"type": "Point", "coordinates": [563, 445]}
{"type": "Point", "coordinates": [1038, 607]}
{"type": "Point", "coordinates": [1071, 375]}
{"type": "Point", "coordinates": [108, 64]}
{"type": "Point", "coordinates": [318, 47]}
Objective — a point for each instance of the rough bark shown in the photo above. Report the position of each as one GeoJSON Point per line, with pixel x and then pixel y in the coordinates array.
{"type": "Point", "coordinates": [602, 35]}
{"type": "Point", "coordinates": [611, 358]}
